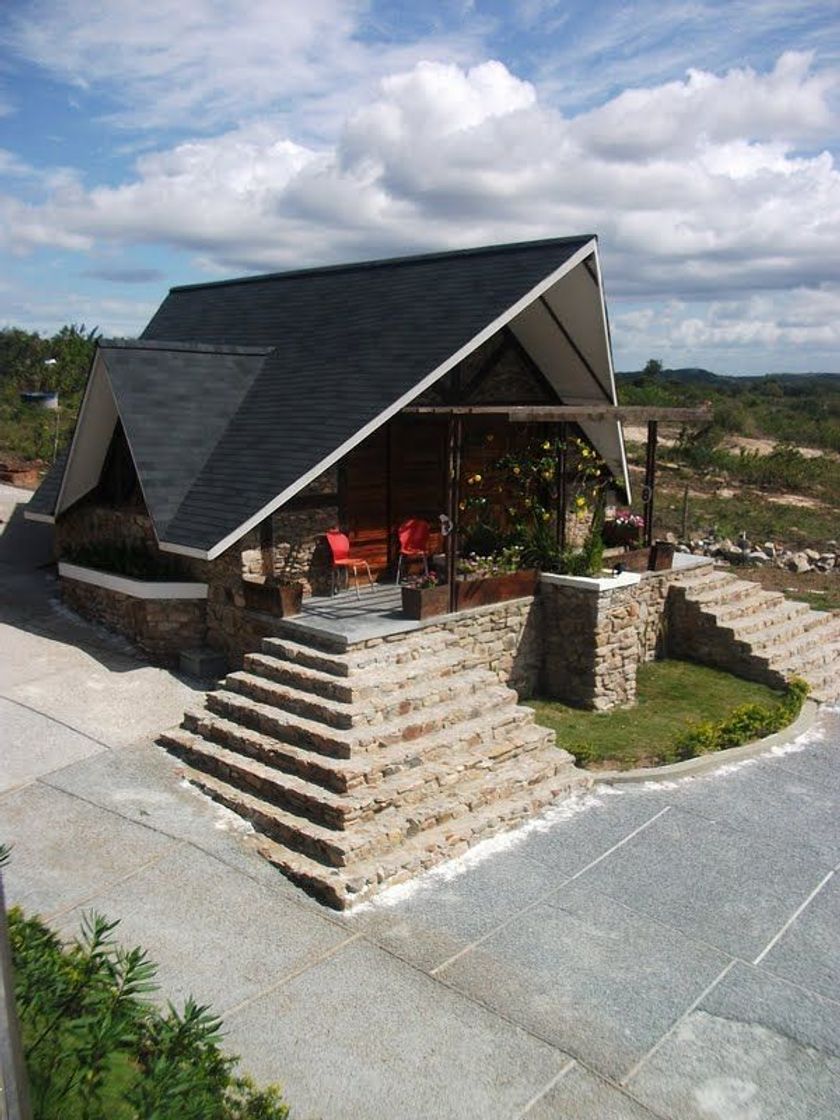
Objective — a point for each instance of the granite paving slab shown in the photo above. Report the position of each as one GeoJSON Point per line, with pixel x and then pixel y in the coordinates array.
{"type": "Point", "coordinates": [581, 1095]}
{"type": "Point", "coordinates": [65, 850]}
{"type": "Point", "coordinates": [719, 885]}
{"type": "Point", "coordinates": [365, 1035]}
{"type": "Point", "coordinates": [589, 975]}
{"type": "Point", "coordinates": [808, 952]}
{"type": "Point", "coordinates": [33, 746]}
{"type": "Point", "coordinates": [756, 1048]}
{"type": "Point", "coordinates": [213, 933]}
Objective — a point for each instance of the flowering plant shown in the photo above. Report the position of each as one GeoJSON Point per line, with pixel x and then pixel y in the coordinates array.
{"type": "Point", "coordinates": [625, 517]}
{"type": "Point", "coordinates": [499, 563]}
{"type": "Point", "coordinates": [426, 579]}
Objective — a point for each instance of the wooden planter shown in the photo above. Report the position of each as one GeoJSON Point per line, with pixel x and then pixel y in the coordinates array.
{"type": "Point", "coordinates": [637, 560]}
{"type": "Point", "coordinates": [620, 536]}
{"type": "Point", "coordinates": [282, 599]}
{"type": "Point", "coordinates": [662, 557]}
{"type": "Point", "coordinates": [426, 602]}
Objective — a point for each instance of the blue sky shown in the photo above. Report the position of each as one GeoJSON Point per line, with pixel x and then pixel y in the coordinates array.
{"type": "Point", "coordinates": [145, 143]}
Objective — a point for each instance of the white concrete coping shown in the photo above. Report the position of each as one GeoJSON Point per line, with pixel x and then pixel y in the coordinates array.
{"type": "Point", "coordinates": [593, 583]}
{"type": "Point", "coordinates": [137, 588]}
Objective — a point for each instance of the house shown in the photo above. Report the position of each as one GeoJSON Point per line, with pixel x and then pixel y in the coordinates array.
{"type": "Point", "coordinates": [272, 408]}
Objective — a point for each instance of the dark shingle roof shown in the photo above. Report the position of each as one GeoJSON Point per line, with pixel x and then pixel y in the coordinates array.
{"type": "Point", "coordinates": [175, 403]}
{"type": "Point", "coordinates": [44, 499]}
{"type": "Point", "coordinates": [349, 341]}
{"type": "Point", "coordinates": [239, 389]}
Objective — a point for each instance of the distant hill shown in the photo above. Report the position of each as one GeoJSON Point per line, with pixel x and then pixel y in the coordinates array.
{"type": "Point", "coordinates": [691, 375]}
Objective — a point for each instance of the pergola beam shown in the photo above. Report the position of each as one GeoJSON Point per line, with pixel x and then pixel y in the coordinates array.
{"type": "Point", "coordinates": [627, 414]}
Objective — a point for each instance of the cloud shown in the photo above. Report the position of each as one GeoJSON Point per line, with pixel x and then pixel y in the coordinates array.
{"type": "Point", "coordinates": [201, 63]}
{"type": "Point", "coordinates": [707, 188]}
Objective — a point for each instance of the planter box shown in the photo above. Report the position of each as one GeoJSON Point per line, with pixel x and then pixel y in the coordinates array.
{"type": "Point", "coordinates": [620, 536]}
{"type": "Point", "coordinates": [419, 603]}
{"type": "Point", "coordinates": [282, 599]}
{"type": "Point", "coordinates": [637, 560]}
{"type": "Point", "coordinates": [662, 557]}
{"type": "Point", "coordinates": [425, 602]}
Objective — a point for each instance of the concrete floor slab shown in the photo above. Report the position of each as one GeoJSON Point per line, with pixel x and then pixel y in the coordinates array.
{"type": "Point", "coordinates": [756, 1047]}
{"type": "Point", "coordinates": [95, 700]}
{"type": "Point", "coordinates": [364, 1035]}
{"type": "Point", "coordinates": [580, 1093]}
{"type": "Point", "coordinates": [213, 933]}
{"type": "Point", "coordinates": [588, 975]}
{"type": "Point", "coordinates": [720, 886]}
{"type": "Point", "coordinates": [65, 850]}
{"type": "Point", "coordinates": [33, 745]}
{"type": "Point", "coordinates": [819, 761]}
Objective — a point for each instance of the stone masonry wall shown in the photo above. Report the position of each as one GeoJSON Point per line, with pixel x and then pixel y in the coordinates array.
{"type": "Point", "coordinates": [159, 627]}
{"type": "Point", "coordinates": [595, 641]}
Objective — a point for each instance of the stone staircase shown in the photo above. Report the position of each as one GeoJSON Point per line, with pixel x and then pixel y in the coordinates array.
{"type": "Point", "coordinates": [735, 624]}
{"type": "Point", "coordinates": [361, 765]}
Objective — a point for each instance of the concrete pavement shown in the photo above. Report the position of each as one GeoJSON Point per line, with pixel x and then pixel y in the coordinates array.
{"type": "Point", "coordinates": [666, 951]}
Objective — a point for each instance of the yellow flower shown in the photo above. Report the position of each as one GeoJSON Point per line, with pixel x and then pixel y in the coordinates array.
{"type": "Point", "coordinates": [546, 445]}
{"type": "Point", "coordinates": [462, 505]}
{"type": "Point", "coordinates": [516, 470]}
{"type": "Point", "coordinates": [546, 474]}
{"type": "Point", "coordinates": [580, 501]}
{"type": "Point", "coordinates": [546, 515]}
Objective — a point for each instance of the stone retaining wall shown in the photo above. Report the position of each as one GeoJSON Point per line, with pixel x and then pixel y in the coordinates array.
{"type": "Point", "coordinates": [595, 640]}
{"type": "Point", "coordinates": [159, 627]}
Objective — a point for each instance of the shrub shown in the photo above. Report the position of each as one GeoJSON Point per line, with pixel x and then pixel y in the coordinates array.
{"type": "Point", "coordinates": [96, 1048]}
{"type": "Point", "coordinates": [748, 722]}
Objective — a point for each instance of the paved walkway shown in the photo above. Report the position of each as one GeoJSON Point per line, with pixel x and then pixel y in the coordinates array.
{"type": "Point", "coordinates": [668, 951]}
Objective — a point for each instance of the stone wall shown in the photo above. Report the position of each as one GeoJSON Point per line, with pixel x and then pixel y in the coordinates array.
{"type": "Point", "coordinates": [596, 639]}
{"type": "Point", "coordinates": [161, 628]}
{"type": "Point", "coordinates": [505, 638]}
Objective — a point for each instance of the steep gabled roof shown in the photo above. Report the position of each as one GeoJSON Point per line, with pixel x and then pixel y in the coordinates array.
{"type": "Point", "coordinates": [221, 435]}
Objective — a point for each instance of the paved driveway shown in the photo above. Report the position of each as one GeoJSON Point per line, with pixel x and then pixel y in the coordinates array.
{"type": "Point", "coordinates": [667, 951]}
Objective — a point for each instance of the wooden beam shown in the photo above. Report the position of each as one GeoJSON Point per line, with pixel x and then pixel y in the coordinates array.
{"type": "Point", "coordinates": [650, 482]}
{"type": "Point", "coordinates": [562, 499]}
{"type": "Point", "coordinates": [453, 474]}
{"type": "Point", "coordinates": [534, 414]}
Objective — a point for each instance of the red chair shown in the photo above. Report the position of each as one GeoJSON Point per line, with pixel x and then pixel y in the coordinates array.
{"type": "Point", "coordinates": [413, 536]}
{"type": "Point", "coordinates": [342, 560]}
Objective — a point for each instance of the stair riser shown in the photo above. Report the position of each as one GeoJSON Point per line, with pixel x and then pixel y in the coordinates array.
{"type": "Point", "coordinates": [336, 665]}
{"type": "Point", "coordinates": [784, 635]}
{"type": "Point", "coordinates": [326, 743]}
{"type": "Point", "coordinates": [355, 691]}
{"type": "Point", "coordinates": [272, 754]}
{"type": "Point", "coordinates": [753, 625]}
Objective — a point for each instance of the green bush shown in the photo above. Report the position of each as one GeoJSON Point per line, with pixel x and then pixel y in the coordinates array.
{"type": "Point", "coordinates": [744, 724]}
{"type": "Point", "coordinates": [96, 1049]}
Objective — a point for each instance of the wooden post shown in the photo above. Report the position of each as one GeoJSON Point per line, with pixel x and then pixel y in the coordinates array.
{"type": "Point", "coordinates": [562, 497]}
{"type": "Point", "coordinates": [267, 549]}
{"type": "Point", "coordinates": [650, 481]}
{"type": "Point", "coordinates": [391, 557]}
{"type": "Point", "coordinates": [453, 472]}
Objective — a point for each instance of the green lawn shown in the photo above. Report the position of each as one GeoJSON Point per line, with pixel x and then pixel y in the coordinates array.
{"type": "Point", "coordinates": [672, 695]}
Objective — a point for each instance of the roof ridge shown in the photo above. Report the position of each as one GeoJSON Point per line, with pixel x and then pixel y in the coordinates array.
{"type": "Point", "coordinates": [385, 262]}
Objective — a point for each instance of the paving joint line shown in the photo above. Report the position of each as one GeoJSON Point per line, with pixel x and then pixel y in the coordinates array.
{"type": "Point", "coordinates": [634, 1069]}
{"type": "Point", "coordinates": [549, 894]}
{"type": "Point", "coordinates": [235, 1008]}
{"type": "Point", "coordinates": [305, 906]}
{"type": "Point", "coordinates": [549, 1085]}
{"type": "Point", "coordinates": [53, 914]}
{"type": "Point", "coordinates": [60, 722]}
{"type": "Point", "coordinates": [774, 940]}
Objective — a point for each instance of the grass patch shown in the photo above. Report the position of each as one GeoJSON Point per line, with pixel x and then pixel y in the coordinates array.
{"type": "Point", "coordinates": [673, 697]}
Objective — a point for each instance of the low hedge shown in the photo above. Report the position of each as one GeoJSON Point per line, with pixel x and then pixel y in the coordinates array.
{"type": "Point", "coordinates": [743, 725]}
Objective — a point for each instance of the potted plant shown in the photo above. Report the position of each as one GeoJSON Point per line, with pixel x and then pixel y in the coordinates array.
{"type": "Point", "coordinates": [624, 530]}
{"type": "Point", "coordinates": [424, 596]}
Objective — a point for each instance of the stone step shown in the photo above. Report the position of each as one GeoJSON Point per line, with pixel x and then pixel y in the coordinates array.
{"type": "Point", "coordinates": [706, 576]}
{"type": "Point", "coordinates": [726, 593]}
{"type": "Point", "coordinates": [778, 641]}
{"type": "Point", "coordinates": [335, 811]}
{"type": "Point", "coordinates": [333, 663]}
{"type": "Point", "coordinates": [359, 686]}
{"type": "Point", "coordinates": [419, 692]}
{"type": "Point", "coordinates": [806, 657]}
{"type": "Point", "coordinates": [774, 613]}
{"type": "Point", "coordinates": [336, 742]}
{"type": "Point", "coordinates": [344, 775]}
{"type": "Point", "coordinates": [342, 887]}
{"type": "Point", "coordinates": [392, 827]}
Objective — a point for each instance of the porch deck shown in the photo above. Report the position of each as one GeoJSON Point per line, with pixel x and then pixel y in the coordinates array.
{"type": "Point", "coordinates": [376, 612]}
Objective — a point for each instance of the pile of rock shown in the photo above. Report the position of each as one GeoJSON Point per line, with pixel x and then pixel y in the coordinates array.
{"type": "Point", "coordinates": [744, 551]}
